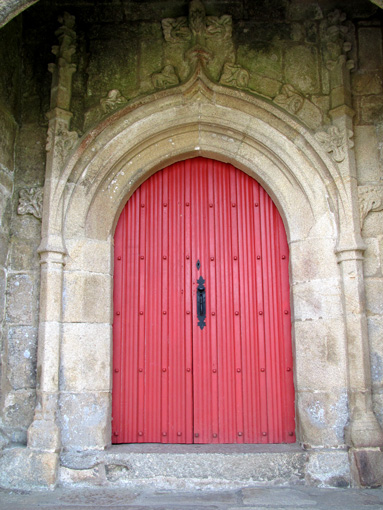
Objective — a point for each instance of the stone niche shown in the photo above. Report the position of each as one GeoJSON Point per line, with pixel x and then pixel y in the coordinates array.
{"type": "Point", "coordinates": [128, 92]}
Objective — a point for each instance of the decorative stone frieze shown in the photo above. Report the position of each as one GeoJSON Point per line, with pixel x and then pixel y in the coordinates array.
{"type": "Point", "coordinates": [290, 99]}
{"type": "Point", "coordinates": [112, 101]}
{"type": "Point", "coordinates": [199, 40]}
{"type": "Point", "coordinates": [166, 78]}
{"type": "Point", "coordinates": [370, 200]}
{"type": "Point", "coordinates": [336, 142]}
{"type": "Point", "coordinates": [234, 76]}
{"type": "Point", "coordinates": [31, 202]}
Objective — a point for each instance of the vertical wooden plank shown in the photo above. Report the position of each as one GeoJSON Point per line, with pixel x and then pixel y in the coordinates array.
{"type": "Point", "coordinates": [165, 291]}
{"type": "Point", "coordinates": [189, 304]}
{"type": "Point", "coordinates": [211, 286]}
{"type": "Point", "coordinates": [236, 434]}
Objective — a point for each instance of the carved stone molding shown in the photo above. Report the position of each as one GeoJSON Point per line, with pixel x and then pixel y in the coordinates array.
{"type": "Point", "coordinates": [370, 200]}
{"type": "Point", "coordinates": [336, 142]}
{"type": "Point", "coordinates": [31, 202]}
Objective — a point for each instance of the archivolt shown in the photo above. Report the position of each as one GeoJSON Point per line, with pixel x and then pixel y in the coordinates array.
{"type": "Point", "coordinates": [198, 118]}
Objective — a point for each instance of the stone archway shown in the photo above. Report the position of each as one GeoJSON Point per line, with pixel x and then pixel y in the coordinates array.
{"type": "Point", "coordinates": [80, 214]}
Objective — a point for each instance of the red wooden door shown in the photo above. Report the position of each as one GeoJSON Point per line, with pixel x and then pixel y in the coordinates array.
{"type": "Point", "coordinates": [230, 381]}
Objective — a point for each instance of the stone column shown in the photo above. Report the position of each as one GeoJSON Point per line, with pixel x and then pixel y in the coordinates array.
{"type": "Point", "coordinates": [44, 432]}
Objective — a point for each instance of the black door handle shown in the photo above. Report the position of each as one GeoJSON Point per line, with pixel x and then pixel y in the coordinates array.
{"type": "Point", "coordinates": [201, 302]}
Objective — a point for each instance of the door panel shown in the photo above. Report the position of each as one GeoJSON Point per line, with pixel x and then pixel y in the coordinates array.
{"type": "Point", "coordinates": [231, 381]}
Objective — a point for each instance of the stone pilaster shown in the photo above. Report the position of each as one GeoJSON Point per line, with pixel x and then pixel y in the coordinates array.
{"type": "Point", "coordinates": [44, 432]}
{"type": "Point", "coordinates": [363, 434]}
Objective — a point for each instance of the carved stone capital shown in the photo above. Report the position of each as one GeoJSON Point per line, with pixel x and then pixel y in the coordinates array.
{"type": "Point", "coordinates": [31, 202]}
{"type": "Point", "coordinates": [370, 200]}
{"type": "Point", "coordinates": [336, 141]}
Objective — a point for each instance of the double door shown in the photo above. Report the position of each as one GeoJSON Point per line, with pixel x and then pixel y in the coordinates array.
{"type": "Point", "coordinates": [202, 329]}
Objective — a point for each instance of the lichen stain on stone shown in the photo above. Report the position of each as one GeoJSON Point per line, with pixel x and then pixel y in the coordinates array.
{"type": "Point", "coordinates": [317, 414]}
{"type": "Point", "coordinates": [341, 411]}
{"type": "Point", "coordinates": [376, 367]}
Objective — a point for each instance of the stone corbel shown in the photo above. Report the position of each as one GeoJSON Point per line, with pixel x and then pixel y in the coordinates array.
{"type": "Point", "coordinates": [370, 200]}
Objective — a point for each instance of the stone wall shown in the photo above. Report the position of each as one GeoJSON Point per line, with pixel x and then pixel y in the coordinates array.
{"type": "Point", "coordinates": [10, 83]}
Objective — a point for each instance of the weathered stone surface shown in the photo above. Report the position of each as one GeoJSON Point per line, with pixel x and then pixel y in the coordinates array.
{"type": "Point", "coordinates": [367, 465]}
{"type": "Point", "coordinates": [322, 363]}
{"type": "Point", "coordinates": [317, 299]}
{"type": "Point", "coordinates": [86, 350]}
{"type": "Point", "coordinates": [89, 255]}
{"type": "Point", "coordinates": [322, 417]}
{"type": "Point", "coordinates": [21, 468]}
{"type": "Point", "coordinates": [367, 154]}
{"type": "Point", "coordinates": [87, 297]}
{"type": "Point", "coordinates": [370, 108]}
{"type": "Point", "coordinates": [18, 412]}
{"type": "Point", "coordinates": [288, 497]}
{"type": "Point", "coordinates": [374, 291]}
{"type": "Point", "coordinates": [85, 420]}
{"type": "Point", "coordinates": [302, 69]}
{"type": "Point", "coordinates": [328, 469]}
{"type": "Point", "coordinates": [78, 477]}
{"type": "Point", "coordinates": [372, 258]}
{"type": "Point", "coordinates": [8, 131]}
{"type": "Point", "coordinates": [21, 362]}
{"type": "Point", "coordinates": [21, 299]}
{"type": "Point", "coordinates": [185, 466]}
{"type": "Point", "coordinates": [23, 254]}
{"type": "Point", "coordinates": [370, 48]}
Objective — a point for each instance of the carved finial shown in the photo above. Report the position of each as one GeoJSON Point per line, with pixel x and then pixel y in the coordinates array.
{"type": "Point", "coordinates": [63, 69]}
{"type": "Point", "coordinates": [335, 40]}
{"type": "Point", "coordinates": [31, 202]}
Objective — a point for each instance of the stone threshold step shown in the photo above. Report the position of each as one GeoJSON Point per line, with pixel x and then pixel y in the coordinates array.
{"type": "Point", "coordinates": [186, 466]}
